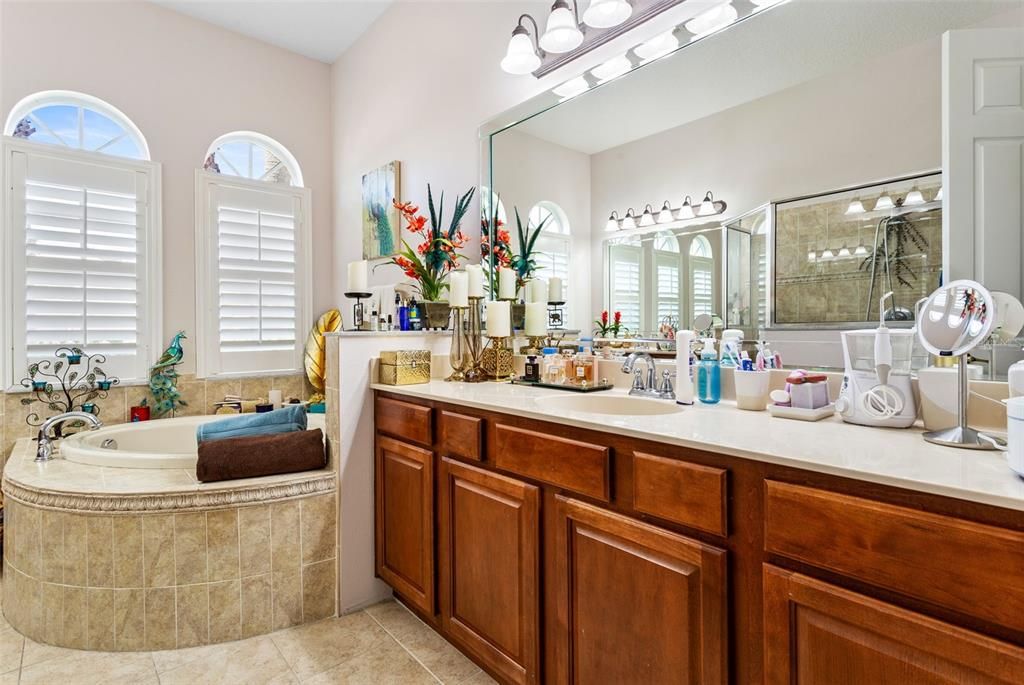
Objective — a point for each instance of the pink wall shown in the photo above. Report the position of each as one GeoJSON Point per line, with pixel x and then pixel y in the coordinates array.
{"type": "Point", "coordinates": [183, 82]}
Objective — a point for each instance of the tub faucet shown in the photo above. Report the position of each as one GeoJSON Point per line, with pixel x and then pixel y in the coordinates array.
{"type": "Point", "coordinates": [44, 449]}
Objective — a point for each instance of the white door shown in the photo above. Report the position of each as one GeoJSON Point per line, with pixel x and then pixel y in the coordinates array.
{"type": "Point", "coordinates": [983, 156]}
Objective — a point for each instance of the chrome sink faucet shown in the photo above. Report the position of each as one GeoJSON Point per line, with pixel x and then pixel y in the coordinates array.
{"type": "Point", "coordinates": [647, 388]}
{"type": "Point", "coordinates": [44, 450]}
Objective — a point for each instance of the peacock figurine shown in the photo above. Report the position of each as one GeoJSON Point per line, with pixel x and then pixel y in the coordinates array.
{"type": "Point", "coordinates": [163, 378]}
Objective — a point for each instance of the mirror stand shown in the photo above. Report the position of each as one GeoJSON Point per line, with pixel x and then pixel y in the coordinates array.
{"type": "Point", "coordinates": [962, 435]}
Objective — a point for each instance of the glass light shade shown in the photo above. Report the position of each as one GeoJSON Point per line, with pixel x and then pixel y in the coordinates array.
{"type": "Point", "coordinates": [656, 47]}
{"type": "Point", "coordinates": [938, 195]}
{"type": "Point", "coordinates": [665, 215]}
{"type": "Point", "coordinates": [520, 58]}
{"type": "Point", "coordinates": [613, 223]}
{"type": "Point", "coordinates": [561, 33]}
{"type": "Point", "coordinates": [572, 88]}
{"type": "Point", "coordinates": [856, 207]}
{"type": "Point", "coordinates": [629, 221]}
{"type": "Point", "coordinates": [844, 252]}
{"type": "Point", "coordinates": [604, 14]}
{"type": "Point", "coordinates": [884, 202]}
{"type": "Point", "coordinates": [685, 211]}
{"type": "Point", "coordinates": [914, 197]}
{"type": "Point", "coordinates": [711, 20]}
{"type": "Point", "coordinates": [707, 206]}
{"type": "Point", "coordinates": [647, 218]}
{"type": "Point", "coordinates": [861, 251]}
{"type": "Point", "coordinates": [827, 254]}
{"type": "Point", "coordinates": [616, 66]}
{"type": "Point", "coordinates": [812, 256]}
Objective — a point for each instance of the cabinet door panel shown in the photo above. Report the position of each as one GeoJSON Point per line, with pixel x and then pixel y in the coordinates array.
{"type": "Point", "coordinates": [635, 604]}
{"type": "Point", "coordinates": [817, 633]}
{"type": "Point", "coordinates": [489, 567]}
{"type": "Point", "coordinates": [405, 520]}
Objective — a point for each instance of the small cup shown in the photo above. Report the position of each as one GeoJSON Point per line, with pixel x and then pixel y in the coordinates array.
{"type": "Point", "coordinates": [39, 385]}
{"type": "Point", "coordinates": [752, 389]}
{"type": "Point", "coordinates": [139, 413]}
{"type": "Point", "coordinates": [74, 359]}
{"type": "Point", "coordinates": [104, 385]}
{"type": "Point", "coordinates": [89, 408]}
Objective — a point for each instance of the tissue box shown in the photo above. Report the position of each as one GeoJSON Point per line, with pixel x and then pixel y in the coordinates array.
{"type": "Point", "coordinates": [405, 367]}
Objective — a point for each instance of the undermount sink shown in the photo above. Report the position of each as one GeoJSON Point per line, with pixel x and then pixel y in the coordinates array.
{"type": "Point", "coordinates": [614, 405]}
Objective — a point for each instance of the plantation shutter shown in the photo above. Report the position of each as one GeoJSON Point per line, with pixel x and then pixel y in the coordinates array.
{"type": "Point", "coordinates": [553, 260]}
{"type": "Point", "coordinates": [667, 286]}
{"type": "Point", "coordinates": [701, 283]}
{"type": "Point", "coordinates": [624, 264]}
{"type": "Point", "coordinates": [81, 255]}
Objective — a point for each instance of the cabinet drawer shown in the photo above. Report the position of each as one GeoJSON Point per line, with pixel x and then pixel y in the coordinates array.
{"type": "Point", "coordinates": [946, 561]}
{"type": "Point", "coordinates": [461, 436]}
{"type": "Point", "coordinates": [403, 420]}
{"type": "Point", "coordinates": [578, 466]}
{"type": "Point", "coordinates": [689, 494]}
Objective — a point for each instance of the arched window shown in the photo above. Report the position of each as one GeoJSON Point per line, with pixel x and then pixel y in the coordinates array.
{"type": "Point", "coordinates": [253, 156]}
{"type": "Point", "coordinates": [78, 122]}
{"type": "Point", "coordinates": [490, 203]}
{"type": "Point", "coordinates": [552, 247]}
{"type": "Point", "coordinates": [702, 277]}
{"type": "Point", "coordinates": [624, 260]}
{"type": "Point", "coordinates": [667, 270]}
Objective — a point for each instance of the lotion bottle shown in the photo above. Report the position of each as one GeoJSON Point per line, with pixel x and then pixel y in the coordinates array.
{"type": "Point", "coordinates": [709, 378]}
{"type": "Point", "coordinates": [684, 367]}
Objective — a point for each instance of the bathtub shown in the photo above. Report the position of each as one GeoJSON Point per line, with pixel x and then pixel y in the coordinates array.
{"type": "Point", "coordinates": [158, 444]}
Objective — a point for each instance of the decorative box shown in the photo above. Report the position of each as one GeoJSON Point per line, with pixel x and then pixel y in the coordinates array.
{"type": "Point", "coordinates": [405, 367]}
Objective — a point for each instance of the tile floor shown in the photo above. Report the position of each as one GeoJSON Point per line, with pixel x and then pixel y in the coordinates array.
{"type": "Point", "coordinates": [383, 644]}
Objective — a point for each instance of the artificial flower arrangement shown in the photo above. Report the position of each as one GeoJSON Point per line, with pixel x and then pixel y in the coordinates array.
{"type": "Point", "coordinates": [612, 328]}
{"type": "Point", "coordinates": [524, 262]}
{"type": "Point", "coordinates": [437, 255]}
{"type": "Point", "coordinates": [501, 248]}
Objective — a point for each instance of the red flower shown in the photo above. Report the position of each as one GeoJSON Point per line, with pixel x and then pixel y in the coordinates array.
{"type": "Point", "coordinates": [604, 318]}
{"type": "Point", "coordinates": [416, 223]}
{"type": "Point", "coordinates": [618, 318]}
{"type": "Point", "coordinates": [504, 237]}
{"type": "Point", "coordinates": [405, 207]}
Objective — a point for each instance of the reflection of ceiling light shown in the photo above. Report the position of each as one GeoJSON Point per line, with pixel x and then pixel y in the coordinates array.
{"type": "Point", "coordinates": [707, 206]}
{"type": "Point", "coordinates": [844, 252]}
{"type": "Point", "coordinates": [685, 211]}
{"type": "Point", "coordinates": [884, 202]}
{"type": "Point", "coordinates": [712, 20]}
{"type": "Point", "coordinates": [613, 222]}
{"type": "Point", "coordinates": [856, 207]}
{"type": "Point", "coordinates": [647, 218]}
{"type": "Point", "coordinates": [629, 221]}
{"type": "Point", "coordinates": [521, 57]}
{"type": "Point", "coordinates": [604, 14]}
{"type": "Point", "coordinates": [914, 197]}
{"type": "Point", "coordinates": [572, 88]}
{"type": "Point", "coordinates": [657, 47]}
{"type": "Point", "coordinates": [561, 33]}
{"type": "Point", "coordinates": [616, 66]}
{"type": "Point", "coordinates": [827, 254]}
{"type": "Point", "coordinates": [763, 4]}
{"type": "Point", "coordinates": [665, 215]}
{"type": "Point", "coordinates": [861, 251]}
{"type": "Point", "coordinates": [938, 195]}
{"type": "Point", "coordinates": [812, 256]}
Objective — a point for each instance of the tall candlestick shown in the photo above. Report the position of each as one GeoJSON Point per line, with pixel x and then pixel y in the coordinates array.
{"type": "Point", "coordinates": [555, 290]}
{"type": "Point", "coordinates": [499, 319]}
{"type": "Point", "coordinates": [536, 319]}
{"type": "Point", "coordinates": [506, 283]}
{"type": "Point", "coordinates": [476, 280]}
{"type": "Point", "coordinates": [357, 276]}
{"type": "Point", "coordinates": [458, 293]}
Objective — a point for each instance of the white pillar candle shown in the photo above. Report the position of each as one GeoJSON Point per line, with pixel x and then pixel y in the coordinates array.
{"type": "Point", "coordinates": [536, 290]}
{"type": "Point", "coordinates": [536, 319]}
{"type": "Point", "coordinates": [276, 398]}
{"type": "Point", "coordinates": [476, 280]}
{"type": "Point", "coordinates": [506, 283]}
{"type": "Point", "coordinates": [499, 319]}
{"type": "Point", "coordinates": [555, 290]}
{"type": "Point", "coordinates": [458, 293]}
{"type": "Point", "coordinates": [357, 276]}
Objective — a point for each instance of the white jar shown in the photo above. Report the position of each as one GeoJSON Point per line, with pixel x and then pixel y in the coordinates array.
{"type": "Point", "coordinates": [1015, 377]}
{"type": "Point", "coordinates": [1015, 434]}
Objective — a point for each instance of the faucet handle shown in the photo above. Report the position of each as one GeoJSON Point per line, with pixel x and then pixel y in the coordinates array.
{"type": "Point", "coordinates": [666, 389]}
{"type": "Point", "coordinates": [638, 380]}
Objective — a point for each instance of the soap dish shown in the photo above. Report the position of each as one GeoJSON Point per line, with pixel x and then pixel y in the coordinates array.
{"type": "Point", "coordinates": [802, 414]}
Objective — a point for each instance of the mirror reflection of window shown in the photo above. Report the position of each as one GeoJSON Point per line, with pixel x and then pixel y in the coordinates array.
{"type": "Point", "coordinates": [624, 280]}
{"type": "Point", "coordinates": [668, 273]}
{"type": "Point", "coordinates": [702, 277]}
{"type": "Point", "coordinates": [552, 247]}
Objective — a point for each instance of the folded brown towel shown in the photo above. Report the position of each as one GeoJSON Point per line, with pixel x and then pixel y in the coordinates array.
{"type": "Point", "coordinates": [260, 455]}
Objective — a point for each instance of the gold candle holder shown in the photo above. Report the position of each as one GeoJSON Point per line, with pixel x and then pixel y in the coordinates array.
{"type": "Point", "coordinates": [497, 359]}
{"type": "Point", "coordinates": [535, 344]}
{"type": "Point", "coordinates": [459, 356]}
{"type": "Point", "coordinates": [472, 343]}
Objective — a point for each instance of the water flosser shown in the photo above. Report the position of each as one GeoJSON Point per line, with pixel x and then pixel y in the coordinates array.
{"type": "Point", "coordinates": [684, 367]}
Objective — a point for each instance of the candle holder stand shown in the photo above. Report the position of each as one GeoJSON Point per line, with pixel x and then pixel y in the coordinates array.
{"type": "Point", "coordinates": [358, 311]}
{"type": "Point", "coordinates": [535, 344]}
{"type": "Point", "coordinates": [459, 356]}
{"type": "Point", "coordinates": [497, 359]}
{"type": "Point", "coordinates": [472, 336]}
{"type": "Point", "coordinates": [556, 314]}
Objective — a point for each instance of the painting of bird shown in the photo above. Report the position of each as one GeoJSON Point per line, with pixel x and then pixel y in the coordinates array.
{"type": "Point", "coordinates": [163, 378]}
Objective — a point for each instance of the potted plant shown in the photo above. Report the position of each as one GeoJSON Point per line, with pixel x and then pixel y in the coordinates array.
{"type": "Point", "coordinates": [609, 328]}
{"type": "Point", "coordinates": [430, 263]}
{"type": "Point", "coordinates": [500, 248]}
{"type": "Point", "coordinates": [524, 263]}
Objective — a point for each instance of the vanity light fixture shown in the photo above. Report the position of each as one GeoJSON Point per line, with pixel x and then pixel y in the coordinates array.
{"type": "Point", "coordinates": [938, 196]}
{"type": "Point", "coordinates": [616, 66]}
{"type": "Point", "coordinates": [613, 222]}
{"type": "Point", "coordinates": [665, 215]}
{"type": "Point", "coordinates": [844, 252]}
{"type": "Point", "coordinates": [914, 197]}
{"type": "Point", "coordinates": [647, 218]}
{"type": "Point", "coordinates": [629, 221]}
{"type": "Point", "coordinates": [521, 57]}
{"type": "Point", "coordinates": [763, 4]}
{"type": "Point", "coordinates": [812, 255]}
{"type": "Point", "coordinates": [884, 202]}
{"type": "Point", "coordinates": [856, 207]}
{"type": "Point", "coordinates": [656, 47]}
{"type": "Point", "coordinates": [562, 33]}
{"type": "Point", "coordinates": [708, 206]}
{"type": "Point", "coordinates": [827, 255]}
{"type": "Point", "coordinates": [860, 251]}
{"type": "Point", "coordinates": [572, 88]}
{"type": "Point", "coordinates": [685, 211]}
{"type": "Point", "coordinates": [604, 14]}
{"type": "Point", "coordinates": [712, 20]}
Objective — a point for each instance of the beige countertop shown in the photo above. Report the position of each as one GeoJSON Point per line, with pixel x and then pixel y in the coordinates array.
{"type": "Point", "coordinates": [889, 456]}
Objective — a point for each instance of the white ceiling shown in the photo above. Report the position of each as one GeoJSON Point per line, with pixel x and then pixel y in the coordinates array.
{"type": "Point", "coordinates": [786, 46]}
{"type": "Point", "coordinates": [320, 29]}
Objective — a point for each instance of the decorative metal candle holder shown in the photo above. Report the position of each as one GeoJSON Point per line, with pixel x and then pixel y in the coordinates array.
{"type": "Point", "coordinates": [556, 314]}
{"type": "Point", "coordinates": [459, 356]}
{"type": "Point", "coordinates": [472, 336]}
{"type": "Point", "coordinates": [358, 311]}
{"type": "Point", "coordinates": [73, 380]}
{"type": "Point", "coordinates": [497, 359]}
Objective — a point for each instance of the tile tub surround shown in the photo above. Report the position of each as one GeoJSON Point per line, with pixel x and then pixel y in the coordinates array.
{"type": "Point", "coordinates": [124, 562]}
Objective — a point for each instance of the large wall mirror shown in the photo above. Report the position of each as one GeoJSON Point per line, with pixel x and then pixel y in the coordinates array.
{"type": "Point", "coordinates": [816, 127]}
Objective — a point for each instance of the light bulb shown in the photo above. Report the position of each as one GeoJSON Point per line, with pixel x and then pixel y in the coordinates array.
{"type": "Point", "coordinates": [884, 202]}
{"type": "Point", "coordinates": [520, 59]}
{"type": "Point", "coordinates": [707, 206]}
{"type": "Point", "coordinates": [856, 207]}
{"type": "Point", "coordinates": [629, 221]}
{"type": "Point", "coordinates": [711, 20]}
{"type": "Point", "coordinates": [914, 197]}
{"type": "Point", "coordinates": [604, 14]}
{"type": "Point", "coordinates": [561, 33]}
{"type": "Point", "coordinates": [613, 222]}
{"type": "Point", "coordinates": [685, 211]}
{"type": "Point", "coordinates": [665, 215]}
{"type": "Point", "coordinates": [647, 218]}
{"type": "Point", "coordinates": [656, 47]}
{"type": "Point", "coordinates": [861, 251]}
{"type": "Point", "coordinates": [572, 88]}
{"type": "Point", "coordinates": [616, 66]}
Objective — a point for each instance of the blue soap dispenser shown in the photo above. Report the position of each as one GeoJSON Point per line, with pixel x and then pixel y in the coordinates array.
{"type": "Point", "coordinates": [709, 378]}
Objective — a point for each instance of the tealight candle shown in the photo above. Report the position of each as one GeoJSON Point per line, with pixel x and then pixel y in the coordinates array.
{"type": "Point", "coordinates": [357, 276]}
{"type": "Point", "coordinates": [475, 272]}
{"type": "Point", "coordinates": [499, 319]}
{"type": "Point", "coordinates": [555, 290]}
{"type": "Point", "coordinates": [506, 283]}
{"type": "Point", "coordinates": [536, 319]}
{"type": "Point", "coordinates": [458, 292]}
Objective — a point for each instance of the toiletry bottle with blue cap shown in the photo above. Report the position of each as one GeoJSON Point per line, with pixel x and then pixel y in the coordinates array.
{"type": "Point", "coordinates": [709, 374]}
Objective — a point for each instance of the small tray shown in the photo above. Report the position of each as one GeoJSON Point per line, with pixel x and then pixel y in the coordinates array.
{"type": "Point", "coordinates": [802, 414]}
{"type": "Point", "coordinates": [555, 386]}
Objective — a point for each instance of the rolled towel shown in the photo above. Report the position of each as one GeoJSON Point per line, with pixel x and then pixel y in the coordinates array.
{"type": "Point", "coordinates": [282, 420]}
{"type": "Point", "coordinates": [260, 455]}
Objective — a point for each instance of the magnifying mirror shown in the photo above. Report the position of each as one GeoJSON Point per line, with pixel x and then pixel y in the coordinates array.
{"type": "Point", "coordinates": [954, 320]}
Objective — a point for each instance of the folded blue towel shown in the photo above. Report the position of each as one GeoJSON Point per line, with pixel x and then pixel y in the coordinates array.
{"type": "Point", "coordinates": [284, 420]}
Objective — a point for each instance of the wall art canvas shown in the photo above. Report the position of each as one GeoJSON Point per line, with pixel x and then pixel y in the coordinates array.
{"type": "Point", "coordinates": [381, 221]}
